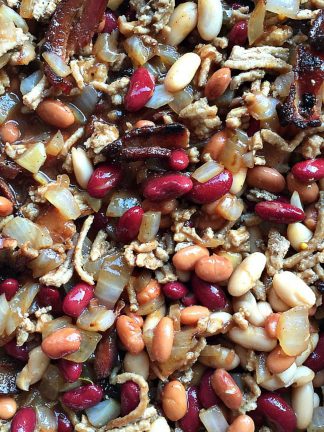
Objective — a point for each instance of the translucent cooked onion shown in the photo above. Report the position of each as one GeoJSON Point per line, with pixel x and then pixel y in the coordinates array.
{"type": "Point", "coordinates": [137, 51]}
{"type": "Point", "coordinates": [231, 156]}
{"type": "Point", "coordinates": [283, 82]}
{"type": "Point", "coordinates": [7, 103]}
{"type": "Point", "coordinates": [82, 166]}
{"type": "Point", "coordinates": [26, 8]}
{"type": "Point", "coordinates": [51, 383]}
{"type": "Point", "coordinates": [288, 8]}
{"type": "Point", "coordinates": [33, 158]}
{"type": "Point", "coordinates": [57, 64]}
{"type": "Point", "coordinates": [24, 230]}
{"type": "Point", "coordinates": [207, 171]}
{"type": "Point", "coordinates": [56, 324]}
{"type": "Point", "coordinates": [293, 330]}
{"type": "Point", "coordinates": [213, 419]}
{"type": "Point", "coordinates": [317, 424]}
{"type": "Point", "coordinates": [46, 419]}
{"type": "Point", "coordinates": [28, 83]}
{"type": "Point", "coordinates": [149, 227]}
{"type": "Point", "coordinates": [55, 144]}
{"type": "Point", "coordinates": [89, 342]}
{"type": "Point", "coordinates": [182, 99]}
{"type": "Point", "coordinates": [151, 306]}
{"type": "Point", "coordinates": [103, 412]}
{"type": "Point", "coordinates": [112, 279]}
{"type": "Point", "coordinates": [96, 318]}
{"type": "Point", "coordinates": [13, 16]}
{"type": "Point", "coordinates": [230, 207]}
{"type": "Point", "coordinates": [106, 46]}
{"type": "Point", "coordinates": [168, 54]}
{"type": "Point", "coordinates": [262, 373]}
{"type": "Point", "coordinates": [296, 201]}
{"type": "Point", "coordinates": [46, 261]}
{"type": "Point", "coordinates": [87, 100]}
{"type": "Point", "coordinates": [256, 22]}
{"type": "Point", "coordinates": [262, 107]}
{"type": "Point", "coordinates": [4, 312]}
{"type": "Point", "coordinates": [159, 98]}
{"type": "Point", "coordinates": [4, 60]}
{"type": "Point", "coordinates": [248, 159]}
{"type": "Point", "coordinates": [62, 199]}
{"type": "Point", "coordinates": [120, 202]}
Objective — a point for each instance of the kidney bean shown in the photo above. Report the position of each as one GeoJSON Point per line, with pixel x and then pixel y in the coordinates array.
{"type": "Point", "coordinates": [267, 178]}
{"type": "Point", "coordinates": [103, 179]}
{"type": "Point", "coordinates": [209, 295]}
{"type": "Point", "coordinates": [316, 359]}
{"type": "Point", "coordinates": [163, 340]}
{"type": "Point", "coordinates": [276, 211]}
{"type": "Point", "coordinates": [206, 394]}
{"type": "Point", "coordinates": [8, 407]}
{"type": "Point", "coordinates": [189, 300]}
{"type": "Point", "coordinates": [238, 34]}
{"type": "Point", "coordinates": [174, 290]}
{"type": "Point", "coordinates": [218, 83]}
{"type": "Point", "coordinates": [213, 189]}
{"type": "Point", "coordinates": [111, 22]}
{"type": "Point", "coordinates": [178, 160]}
{"type": "Point", "coordinates": [55, 113]}
{"type": "Point", "coordinates": [24, 420]}
{"type": "Point", "coordinates": [70, 370]}
{"type": "Point", "coordinates": [277, 411]}
{"type": "Point", "coordinates": [214, 268]}
{"type": "Point", "coordinates": [17, 352]}
{"type": "Point", "coordinates": [49, 296]}
{"type": "Point", "coordinates": [167, 186]}
{"type": "Point", "coordinates": [130, 334]}
{"type": "Point", "coordinates": [77, 299]}
{"type": "Point", "coordinates": [63, 422]}
{"type": "Point", "coordinates": [308, 192]}
{"type": "Point", "coordinates": [129, 224]}
{"type": "Point", "coordinates": [174, 400]}
{"type": "Point", "coordinates": [226, 388]}
{"type": "Point", "coordinates": [62, 342]}
{"type": "Point", "coordinates": [129, 397]}
{"type": "Point", "coordinates": [309, 170]}
{"type": "Point", "coordinates": [83, 397]}
{"type": "Point", "coordinates": [140, 91]}
{"type": "Point", "coordinates": [6, 207]}
{"type": "Point", "coordinates": [191, 421]}
{"type": "Point", "coordinates": [9, 287]}
{"type": "Point", "coordinates": [192, 314]}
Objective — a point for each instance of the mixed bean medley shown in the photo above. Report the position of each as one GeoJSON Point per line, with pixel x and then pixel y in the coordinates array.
{"type": "Point", "coordinates": [161, 215]}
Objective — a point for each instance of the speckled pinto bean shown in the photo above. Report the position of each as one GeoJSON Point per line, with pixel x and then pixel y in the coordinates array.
{"type": "Point", "coordinates": [167, 186]}
{"type": "Point", "coordinates": [226, 389]}
{"type": "Point", "coordinates": [186, 259]}
{"type": "Point", "coordinates": [277, 411]}
{"type": "Point", "coordinates": [174, 400]}
{"type": "Point", "coordinates": [55, 113]}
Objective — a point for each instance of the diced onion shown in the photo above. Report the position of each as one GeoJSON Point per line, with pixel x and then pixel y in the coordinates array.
{"type": "Point", "coordinates": [296, 201]}
{"type": "Point", "coordinates": [102, 413]}
{"type": "Point", "coordinates": [89, 342]}
{"type": "Point", "coordinates": [120, 202]}
{"type": "Point", "coordinates": [248, 159]}
{"type": "Point", "coordinates": [96, 319]}
{"type": "Point", "coordinates": [82, 166]}
{"type": "Point", "coordinates": [168, 54]}
{"type": "Point", "coordinates": [288, 8]}
{"type": "Point", "coordinates": [46, 261]}
{"type": "Point", "coordinates": [114, 4]}
{"type": "Point", "coordinates": [231, 155]}
{"type": "Point", "coordinates": [182, 99]}
{"type": "Point", "coordinates": [262, 107]}
{"type": "Point", "coordinates": [55, 144]}
{"type": "Point", "coordinates": [137, 51]}
{"type": "Point", "coordinates": [207, 171]}
{"type": "Point", "coordinates": [57, 64]}
{"type": "Point", "coordinates": [293, 330]}
{"type": "Point", "coordinates": [33, 158]}
{"type": "Point", "coordinates": [7, 103]}
{"type": "Point", "coordinates": [25, 231]}
{"type": "Point", "coordinates": [13, 16]}
{"type": "Point", "coordinates": [112, 279]}
{"type": "Point", "coordinates": [51, 383]}
{"type": "Point", "coordinates": [213, 419]}
{"type": "Point", "coordinates": [28, 83]}
{"type": "Point", "coordinates": [159, 98]}
{"type": "Point", "coordinates": [317, 424]}
{"type": "Point", "coordinates": [283, 82]}
{"type": "Point", "coordinates": [262, 372]}
{"type": "Point", "coordinates": [4, 60]}
{"type": "Point", "coordinates": [87, 100]}
{"type": "Point", "coordinates": [56, 324]}
{"type": "Point", "coordinates": [256, 22]}
{"type": "Point", "coordinates": [149, 227]}
{"type": "Point", "coordinates": [46, 419]}
{"type": "Point", "coordinates": [4, 312]}
{"type": "Point", "coordinates": [151, 306]}
{"type": "Point", "coordinates": [26, 8]}
{"type": "Point", "coordinates": [63, 200]}
{"type": "Point", "coordinates": [230, 207]}
{"type": "Point", "coordinates": [106, 47]}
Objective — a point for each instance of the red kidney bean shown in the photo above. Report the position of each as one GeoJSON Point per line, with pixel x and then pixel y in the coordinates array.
{"type": "Point", "coordinates": [100, 220]}
{"type": "Point", "coordinates": [111, 22]}
{"type": "Point", "coordinates": [309, 170]}
{"type": "Point", "coordinates": [129, 397]}
{"type": "Point", "coordinates": [83, 397]}
{"type": "Point", "coordinates": [167, 186]}
{"type": "Point", "coordinates": [103, 179]}
{"type": "Point", "coordinates": [77, 299]}
{"type": "Point", "coordinates": [213, 189]}
{"type": "Point", "coordinates": [191, 421]}
{"type": "Point", "coordinates": [17, 352]}
{"type": "Point", "coordinates": [238, 34]}
{"type": "Point", "coordinates": [277, 411]}
{"type": "Point", "coordinates": [209, 295]}
{"type": "Point", "coordinates": [71, 371]}
{"type": "Point", "coordinates": [315, 361]}
{"type": "Point", "coordinates": [280, 212]}
{"type": "Point", "coordinates": [24, 420]}
{"type": "Point", "coordinates": [140, 89]}
{"type": "Point", "coordinates": [49, 296]}
{"type": "Point", "coordinates": [63, 423]}
{"type": "Point", "coordinates": [189, 300]}
{"type": "Point", "coordinates": [206, 394]}
{"type": "Point", "coordinates": [9, 287]}
{"type": "Point", "coordinates": [174, 290]}
{"type": "Point", "coordinates": [129, 224]}
{"type": "Point", "coordinates": [179, 160]}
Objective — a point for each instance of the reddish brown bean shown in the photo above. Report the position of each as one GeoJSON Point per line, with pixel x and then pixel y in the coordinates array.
{"type": "Point", "coordinates": [9, 132]}
{"type": "Point", "coordinates": [214, 268]}
{"type": "Point", "coordinates": [6, 207]}
{"type": "Point", "coordinates": [216, 144]}
{"type": "Point", "coordinates": [263, 177]}
{"type": "Point", "coordinates": [55, 113]}
{"type": "Point", "coordinates": [308, 192]}
{"type": "Point", "coordinates": [62, 342]}
{"type": "Point", "coordinates": [186, 259]}
{"type": "Point", "coordinates": [130, 334]}
{"type": "Point", "coordinates": [163, 340]}
{"type": "Point", "coordinates": [226, 388]}
{"type": "Point", "coordinates": [218, 83]}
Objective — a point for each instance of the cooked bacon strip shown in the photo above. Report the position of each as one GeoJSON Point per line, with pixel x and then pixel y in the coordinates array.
{"type": "Point", "coordinates": [302, 106]}
{"type": "Point", "coordinates": [316, 34]}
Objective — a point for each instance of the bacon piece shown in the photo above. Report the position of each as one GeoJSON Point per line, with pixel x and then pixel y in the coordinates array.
{"type": "Point", "coordinates": [316, 33]}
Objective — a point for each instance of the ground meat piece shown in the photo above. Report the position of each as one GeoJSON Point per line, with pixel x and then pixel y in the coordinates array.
{"type": "Point", "coordinates": [269, 58]}
{"type": "Point", "coordinates": [43, 9]}
{"type": "Point", "coordinates": [216, 323]}
{"type": "Point", "coordinates": [62, 274]}
{"type": "Point", "coordinates": [102, 136]}
{"type": "Point", "coordinates": [257, 195]}
{"type": "Point", "coordinates": [237, 240]}
{"type": "Point", "coordinates": [117, 90]}
{"type": "Point", "coordinates": [209, 55]}
{"type": "Point", "coordinates": [201, 118]}
{"type": "Point", "coordinates": [237, 118]}
{"type": "Point", "coordinates": [250, 395]}
{"type": "Point", "coordinates": [71, 141]}
{"type": "Point", "coordinates": [243, 77]}
{"type": "Point", "coordinates": [275, 36]}
{"type": "Point", "coordinates": [153, 15]}
{"type": "Point", "coordinates": [36, 95]}
{"type": "Point", "coordinates": [165, 274]}
{"type": "Point", "coordinates": [79, 259]}
{"type": "Point", "coordinates": [277, 249]}
{"type": "Point", "coordinates": [11, 37]}
{"type": "Point", "coordinates": [88, 71]}
{"type": "Point", "coordinates": [312, 146]}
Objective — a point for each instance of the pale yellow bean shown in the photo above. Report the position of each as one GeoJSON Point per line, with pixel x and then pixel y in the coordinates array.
{"type": "Point", "coordinates": [182, 21]}
{"type": "Point", "coordinates": [255, 338]}
{"type": "Point", "coordinates": [303, 376]}
{"type": "Point", "coordinates": [302, 403]}
{"type": "Point", "coordinates": [297, 234]}
{"type": "Point", "coordinates": [246, 274]}
{"type": "Point", "coordinates": [249, 304]}
{"type": "Point", "coordinates": [210, 18]}
{"type": "Point", "coordinates": [182, 72]}
{"type": "Point", "coordinates": [292, 290]}
{"type": "Point", "coordinates": [276, 303]}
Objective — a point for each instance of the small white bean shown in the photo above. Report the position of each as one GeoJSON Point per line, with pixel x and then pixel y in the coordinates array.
{"type": "Point", "coordinates": [182, 21]}
{"type": "Point", "coordinates": [249, 304]}
{"type": "Point", "coordinates": [312, 344]}
{"type": "Point", "coordinates": [82, 167]}
{"type": "Point", "coordinates": [302, 401]}
{"type": "Point", "coordinates": [303, 376]}
{"type": "Point", "coordinates": [316, 400]}
{"type": "Point", "coordinates": [276, 303]}
{"type": "Point", "coordinates": [273, 383]}
{"type": "Point", "coordinates": [238, 181]}
{"type": "Point", "coordinates": [298, 233]}
{"type": "Point", "coordinates": [253, 337]}
{"type": "Point", "coordinates": [182, 72]}
{"type": "Point", "coordinates": [265, 309]}
{"type": "Point", "coordinates": [137, 363]}
{"type": "Point", "coordinates": [246, 274]}
{"type": "Point", "coordinates": [292, 290]}
{"type": "Point", "coordinates": [160, 425]}
{"type": "Point", "coordinates": [210, 18]}
{"type": "Point", "coordinates": [287, 376]}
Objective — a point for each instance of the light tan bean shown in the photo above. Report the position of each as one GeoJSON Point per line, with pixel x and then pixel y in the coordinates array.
{"type": "Point", "coordinates": [174, 400]}
{"type": "Point", "coordinates": [242, 423]}
{"type": "Point", "coordinates": [62, 342]}
{"type": "Point", "coordinates": [210, 18]}
{"type": "Point", "coordinates": [302, 403]}
{"type": "Point", "coordinates": [130, 334]}
{"type": "Point", "coordinates": [298, 233]}
{"type": "Point", "coordinates": [182, 21]}
{"type": "Point", "coordinates": [308, 192]}
{"type": "Point", "coordinates": [252, 338]}
{"type": "Point", "coordinates": [292, 290]}
{"type": "Point", "coordinates": [216, 144]}
{"type": "Point", "coordinates": [55, 113]}
{"type": "Point", "coordinates": [214, 268]}
{"type": "Point", "coordinates": [246, 274]}
{"type": "Point", "coordinates": [218, 83]}
{"type": "Point", "coordinates": [8, 407]}
{"type": "Point", "coordinates": [182, 72]}
{"type": "Point", "coordinates": [185, 259]}
{"type": "Point", "coordinates": [33, 371]}
{"type": "Point", "coordinates": [248, 302]}
{"type": "Point", "coordinates": [277, 361]}
{"type": "Point", "coordinates": [192, 314]}
{"type": "Point", "coordinates": [9, 132]}
{"type": "Point", "coordinates": [217, 356]}
{"type": "Point", "coordinates": [311, 216]}
{"type": "Point", "coordinates": [163, 340]}
{"type": "Point", "coordinates": [137, 363]}
{"type": "Point", "coordinates": [263, 177]}
{"type": "Point", "coordinates": [238, 181]}
{"type": "Point", "coordinates": [226, 388]}
{"type": "Point", "coordinates": [6, 207]}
